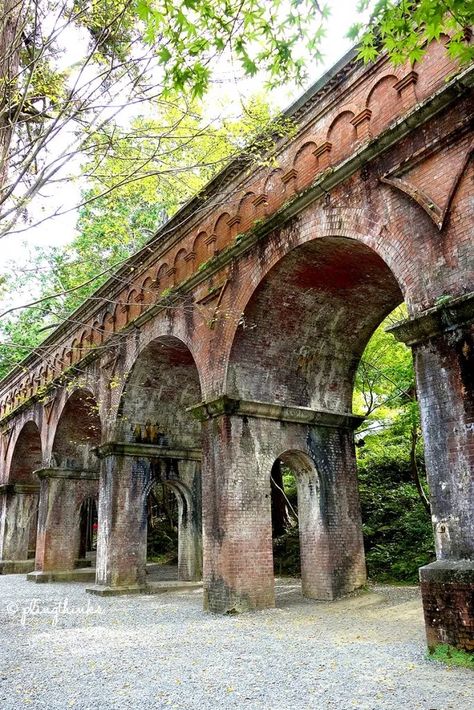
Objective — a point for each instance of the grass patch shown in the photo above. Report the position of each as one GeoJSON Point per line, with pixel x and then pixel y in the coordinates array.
{"type": "Point", "coordinates": [452, 656]}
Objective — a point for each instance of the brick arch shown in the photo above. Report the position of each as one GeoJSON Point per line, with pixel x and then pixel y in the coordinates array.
{"type": "Point", "coordinates": [383, 102]}
{"type": "Point", "coordinates": [341, 136]}
{"type": "Point", "coordinates": [133, 305]}
{"type": "Point", "coordinates": [246, 210]}
{"type": "Point", "coordinates": [274, 189]}
{"type": "Point", "coordinates": [163, 279]}
{"type": "Point", "coordinates": [161, 382]}
{"type": "Point", "coordinates": [201, 247]}
{"type": "Point", "coordinates": [148, 293]}
{"type": "Point", "coordinates": [78, 429]}
{"type": "Point", "coordinates": [305, 164]}
{"type": "Point", "coordinates": [222, 231]}
{"type": "Point", "coordinates": [26, 454]}
{"type": "Point", "coordinates": [180, 265]}
{"type": "Point", "coordinates": [287, 350]}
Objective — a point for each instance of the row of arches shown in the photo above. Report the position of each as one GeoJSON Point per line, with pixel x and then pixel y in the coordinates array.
{"type": "Point", "coordinates": [307, 322]}
{"type": "Point", "coordinates": [362, 116]}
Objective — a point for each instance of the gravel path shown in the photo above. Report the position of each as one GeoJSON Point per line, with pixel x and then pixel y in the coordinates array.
{"type": "Point", "coordinates": [365, 651]}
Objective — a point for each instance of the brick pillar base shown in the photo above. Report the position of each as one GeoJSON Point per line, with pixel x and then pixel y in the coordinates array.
{"type": "Point", "coordinates": [122, 525]}
{"type": "Point", "coordinates": [188, 491]}
{"type": "Point", "coordinates": [447, 590]}
{"type": "Point", "coordinates": [442, 340]}
{"type": "Point", "coordinates": [62, 492]}
{"type": "Point", "coordinates": [241, 442]}
{"type": "Point", "coordinates": [18, 519]}
{"type": "Point", "coordinates": [128, 471]}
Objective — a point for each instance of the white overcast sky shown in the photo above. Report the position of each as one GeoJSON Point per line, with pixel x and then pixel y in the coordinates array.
{"type": "Point", "coordinates": [59, 230]}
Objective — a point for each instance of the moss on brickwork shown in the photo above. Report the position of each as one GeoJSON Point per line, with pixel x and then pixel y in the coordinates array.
{"type": "Point", "coordinates": [452, 656]}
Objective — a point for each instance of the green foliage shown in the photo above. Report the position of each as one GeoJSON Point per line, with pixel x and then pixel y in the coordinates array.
{"type": "Point", "coordinates": [404, 27]}
{"type": "Point", "coordinates": [397, 530]}
{"type": "Point", "coordinates": [152, 167]}
{"type": "Point", "coordinates": [260, 36]}
{"type": "Point", "coordinates": [452, 656]}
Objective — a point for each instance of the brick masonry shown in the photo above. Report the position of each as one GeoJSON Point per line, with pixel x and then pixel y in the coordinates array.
{"type": "Point", "coordinates": [261, 295]}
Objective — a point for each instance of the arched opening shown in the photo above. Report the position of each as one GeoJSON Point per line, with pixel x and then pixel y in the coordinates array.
{"type": "Point", "coordinates": [88, 525]}
{"type": "Point", "coordinates": [164, 441]}
{"type": "Point", "coordinates": [21, 505]}
{"type": "Point", "coordinates": [27, 455]}
{"type": "Point", "coordinates": [298, 347]}
{"type": "Point", "coordinates": [77, 433]}
{"type": "Point", "coordinates": [396, 513]}
{"type": "Point", "coordinates": [162, 384]}
{"type": "Point", "coordinates": [285, 528]}
{"type": "Point", "coordinates": [171, 539]}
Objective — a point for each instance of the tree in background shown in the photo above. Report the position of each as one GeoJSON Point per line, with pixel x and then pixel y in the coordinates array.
{"type": "Point", "coordinates": [69, 68]}
{"type": "Point", "coordinates": [172, 156]}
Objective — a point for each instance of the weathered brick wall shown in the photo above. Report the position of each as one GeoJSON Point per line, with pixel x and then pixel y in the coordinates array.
{"type": "Point", "coordinates": [62, 493]}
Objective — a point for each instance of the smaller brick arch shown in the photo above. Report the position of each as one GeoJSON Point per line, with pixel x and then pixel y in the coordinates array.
{"type": "Point", "coordinates": [341, 136]}
{"type": "Point", "coordinates": [96, 333]}
{"type": "Point", "coordinates": [148, 292]}
{"type": "Point", "coordinates": [305, 165]}
{"type": "Point", "coordinates": [383, 102]}
{"type": "Point", "coordinates": [246, 211]}
{"type": "Point", "coordinates": [162, 277]}
{"type": "Point", "coordinates": [133, 305]}
{"type": "Point", "coordinates": [201, 247]}
{"type": "Point", "coordinates": [222, 231]}
{"type": "Point", "coordinates": [108, 324]}
{"type": "Point", "coordinates": [180, 266]}
{"type": "Point", "coordinates": [274, 189]}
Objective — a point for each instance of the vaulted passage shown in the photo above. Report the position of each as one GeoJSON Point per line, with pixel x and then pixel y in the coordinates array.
{"type": "Point", "coordinates": [69, 485]}
{"type": "Point", "coordinates": [307, 324]}
{"type": "Point", "coordinates": [289, 382]}
{"type": "Point", "coordinates": [157, 442]}
{"type": "Point", "coordinates": [78, 432]}
{"type": "Point", "coordinates": [19, 504]}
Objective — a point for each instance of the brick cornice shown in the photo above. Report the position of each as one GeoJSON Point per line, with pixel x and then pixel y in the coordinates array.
{"type": "Point", "coordinates": [147, 451]}
{"type": "Point", "coordinates": [277, 412]}
{"type": "Point", "coordinates": [17, 488]}
{"type": "Point", "coordinates": [68, 473]}
{"type": "Point", "coordinates": [443, 318]}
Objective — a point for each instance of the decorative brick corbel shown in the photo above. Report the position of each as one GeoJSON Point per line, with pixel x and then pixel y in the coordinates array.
{"type": "Point", "coordinates": [260, 200]}
{"type": "Point", "coordinates": [361, 123]}
{"type": "Point", "coordinates": [171, 271]}
{"type": "Point", "coordinates": [190, 256]}
{"type": "Point", "coordinates": [289, 177]}
{"type": "Point", "coordinates": [406, 89]}
{"type": "Point", "coordinates": [322, 155]}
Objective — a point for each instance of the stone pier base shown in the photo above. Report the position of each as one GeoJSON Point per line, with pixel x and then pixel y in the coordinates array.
{"type": "Point", "coordinates": [447, 590]}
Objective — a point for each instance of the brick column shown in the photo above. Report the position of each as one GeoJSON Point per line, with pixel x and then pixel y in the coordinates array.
{"type": "Point", "coordinates": [127, 473]}
{"type": "Point", "coordinates": [442, 340]}
{"type": "Point", "coordinates": [62, 492]}
{"type": "Point", "coordinates": [122, 524]}
{"type": "Point", "coordinates": [242, 440]}
{"type": "Point", "coordinates": [18, 519]}
{"type": "Point", "coordinates": [189, 522]}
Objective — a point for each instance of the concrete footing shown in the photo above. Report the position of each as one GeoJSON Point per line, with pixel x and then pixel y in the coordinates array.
{"type": "Point", "coordinates": [151, 588]}
{"type": "Point", "coordinates": [447, 590]}
{"type": "Point", "coordinates": [17, 566]}
{"type": "Point", "coordinates": [77, 575]}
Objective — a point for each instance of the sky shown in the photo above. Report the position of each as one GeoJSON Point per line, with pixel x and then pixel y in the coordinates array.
{"type": "Point", "coordinates": [59, 230]}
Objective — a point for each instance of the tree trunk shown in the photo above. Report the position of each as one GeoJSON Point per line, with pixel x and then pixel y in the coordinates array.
{"type": "Point", "coordinates": [10, 44]}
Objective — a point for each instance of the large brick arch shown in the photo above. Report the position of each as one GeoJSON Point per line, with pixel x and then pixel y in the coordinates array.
{"type": "Point", "coordinates": [162, 382]}
{"type": "Point", "coordinates": [27, 454]}
{"type": "Point", "coordinates": [78, 431]}
{"type": "Point", "coordinates": [307, 323]}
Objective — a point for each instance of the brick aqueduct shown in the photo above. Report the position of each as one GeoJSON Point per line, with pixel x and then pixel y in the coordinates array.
{"type": "Point", "coordinates": [232, 339]}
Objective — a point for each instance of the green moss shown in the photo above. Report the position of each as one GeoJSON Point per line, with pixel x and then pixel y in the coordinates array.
{"type": "Point", "coordinates": [452, 656]}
